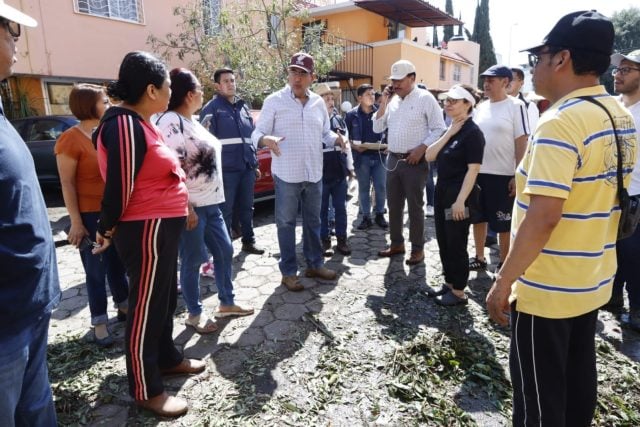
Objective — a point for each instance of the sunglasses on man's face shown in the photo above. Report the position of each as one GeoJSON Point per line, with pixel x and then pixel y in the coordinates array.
{"type": "Point", "coordinates": [12, 27]}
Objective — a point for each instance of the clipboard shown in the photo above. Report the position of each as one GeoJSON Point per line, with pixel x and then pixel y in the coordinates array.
{"type": "Point", "coordinates": [373, 145]}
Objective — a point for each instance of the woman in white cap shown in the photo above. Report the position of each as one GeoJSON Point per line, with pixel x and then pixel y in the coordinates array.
{"type": "Point", "coordinates": [458, 154]}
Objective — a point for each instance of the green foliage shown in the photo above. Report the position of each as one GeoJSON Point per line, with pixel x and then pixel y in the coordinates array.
{"type": "Point", "coordinates": [627, 26]}
{"type": "Point", "coordinates": [626, 23]}
{"type": "Point", "coordinates": [255, 38]}
{"type": "Point", "coordinates": [448, 29]}
{"type": "Point", "coordinates": [482, 36]}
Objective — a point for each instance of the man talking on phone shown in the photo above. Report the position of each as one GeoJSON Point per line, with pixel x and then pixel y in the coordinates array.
{"type": "Point", "coordinates": [414, 120]}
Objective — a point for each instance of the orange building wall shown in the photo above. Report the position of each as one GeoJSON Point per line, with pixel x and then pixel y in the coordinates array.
{"type": "Point", "coordinates": [358, 25]}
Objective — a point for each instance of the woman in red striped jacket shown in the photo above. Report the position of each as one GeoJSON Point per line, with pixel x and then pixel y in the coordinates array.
{"type": "Point", "coordinates": [143, 210]}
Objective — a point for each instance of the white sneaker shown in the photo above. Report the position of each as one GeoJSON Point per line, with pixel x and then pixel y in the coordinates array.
{"type": "Point", "coordinates": [429, 210]}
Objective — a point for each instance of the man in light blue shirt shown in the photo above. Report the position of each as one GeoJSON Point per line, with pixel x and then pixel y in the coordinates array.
{"type": "Point", "coordinates": [294, 125]}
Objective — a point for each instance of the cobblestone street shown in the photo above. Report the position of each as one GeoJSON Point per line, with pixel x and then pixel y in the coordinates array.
{"type": "Point", "coordinates": [270, 363]}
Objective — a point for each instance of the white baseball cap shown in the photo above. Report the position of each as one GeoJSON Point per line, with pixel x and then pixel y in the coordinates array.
{"type": "Point", "coordinates": [400, 69]}
{"type": "Point", "coordinates": [13, 14]}
{"type": "Point", "coordinates": [617, 58]}
{"type": "Point", "coordinates": [458, 92]}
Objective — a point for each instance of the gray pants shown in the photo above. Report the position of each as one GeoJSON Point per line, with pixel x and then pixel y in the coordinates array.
{"type": "Point", "coordinates": [406, 182]}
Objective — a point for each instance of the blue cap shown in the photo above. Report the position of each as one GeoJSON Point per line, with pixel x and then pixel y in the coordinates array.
{"type": "Point", "coordinates": [498, 71]}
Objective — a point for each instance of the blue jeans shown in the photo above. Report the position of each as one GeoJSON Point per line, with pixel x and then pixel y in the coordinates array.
{"type": "Point", "coordinates": [288, 197]}
{"type": "Point", "coordinates": [238, 194]}
{"type": "Point", "coordinates": [99, 267]}
{"type": "Point", "coordinates": [25, 393]}
{"type": "Point", "coordinates": [370, 168]}
{"type": "Point", "coordinates": [335, 191]}
{"type": "Point", "coordinates": [628, 269]}
{"type": "Point", "coordinates": [210, 233]}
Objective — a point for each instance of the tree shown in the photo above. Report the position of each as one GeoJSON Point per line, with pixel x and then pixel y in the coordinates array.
{"type": "Point", "coordinates": [627, 26]}
{"type": "Point", "coordinates": [448, 29]}
{"type": "Point", "coordinates": [436, 43]}
{"type": "Point", "coordinates": [482, 36]}
{"type": "Point", "coordinates": [626, 23]}
{"type": "Point", "coordinates": [255, 38]}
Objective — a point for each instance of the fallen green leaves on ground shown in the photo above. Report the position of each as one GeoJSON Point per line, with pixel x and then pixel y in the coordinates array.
{"type": "Point", "coordinates": [82, 376]}
{"type": "Point", "coordinates": [618, 388]}
{"type": "Point", "coordinates": [434, 367]}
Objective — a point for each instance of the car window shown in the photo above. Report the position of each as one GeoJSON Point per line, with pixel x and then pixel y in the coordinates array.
{"type": "Point", "coordinates": [19, 125]}
{"type": "Point", "coordinates": [45, 129]}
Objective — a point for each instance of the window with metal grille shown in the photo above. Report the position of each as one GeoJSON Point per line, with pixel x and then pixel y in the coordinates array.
{"type": "Point", "coordinates": [127, 10]}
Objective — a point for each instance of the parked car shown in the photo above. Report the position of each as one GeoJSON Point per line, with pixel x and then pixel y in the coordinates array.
{"type": "Point", "coordinates": [40, 134]}
{"type": "Point", "coordinates": [264, 188]}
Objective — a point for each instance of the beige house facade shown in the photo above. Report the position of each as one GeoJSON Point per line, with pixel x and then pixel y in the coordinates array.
{"type": "Point", "coordinates": [85, 41]}
{"type": "Point", "coordinates": [78, 41]}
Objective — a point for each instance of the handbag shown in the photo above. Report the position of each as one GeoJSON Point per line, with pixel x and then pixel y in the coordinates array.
{"type": "Point", "coordinates": [629, 205]}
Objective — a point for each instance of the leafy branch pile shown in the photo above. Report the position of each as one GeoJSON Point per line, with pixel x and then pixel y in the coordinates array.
{"type": "Point", "coordinates": [431, 370]}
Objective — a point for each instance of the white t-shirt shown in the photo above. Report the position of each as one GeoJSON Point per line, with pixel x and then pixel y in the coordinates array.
{"type": "Point", "coordinates": [201, 156]}
{"type": "Point", "coordinates": [634, 187]}
{"type": "Point", "coordinates": [501, 123]}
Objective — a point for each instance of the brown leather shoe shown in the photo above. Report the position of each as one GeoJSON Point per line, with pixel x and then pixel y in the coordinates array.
{"type": "Point", "coordinates": [186, 367]}
{"type": "Point", "coordinates": [343, 246]}
{"type": "Point", "coordinates": [321, 273]}
{"type": "Point", "coordinates": [292, 283]}
{"type": "Point", "coordinates": [416, 258]}
{"type": "Point", "coordinates": [391, 251]}
{"type": "Point", "coordinates": [164, 405]}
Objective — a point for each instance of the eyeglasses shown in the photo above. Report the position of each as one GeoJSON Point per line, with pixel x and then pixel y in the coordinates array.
{"type": "Point", "coordinates": [451, 101]}
{"type": "Point", "coordinates": [623, 70]}
{"type": "Point", "coordinates": [534, 58]}
{"type": "Point", "coordinates": [298, 73]}
{"type": "Point", "coordinates": [12, 27]}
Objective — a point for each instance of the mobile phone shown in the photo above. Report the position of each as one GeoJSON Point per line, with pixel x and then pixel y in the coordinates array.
{"type": "Point", "coordinates": [206, 121]}
{"type": "Point", "coordinates": [390, 89]}
{"type": "Point", "coordinates": [86, 243]}
{"type": "Point", "coordinates": [448, 214]}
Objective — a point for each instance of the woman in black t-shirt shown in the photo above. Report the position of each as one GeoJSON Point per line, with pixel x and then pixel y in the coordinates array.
{"type": "Point", "coordinates": [458, 154]}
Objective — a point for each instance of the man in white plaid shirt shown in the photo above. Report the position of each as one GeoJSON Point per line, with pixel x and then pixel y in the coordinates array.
{"type": "Point", "coordinates": [294, 125]}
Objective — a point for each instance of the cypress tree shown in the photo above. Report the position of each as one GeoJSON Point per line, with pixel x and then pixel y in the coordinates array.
{"type": "Point", "coordinates": [448, 29]}
{"type": "Point", "coordinates": [436, 43]}
{"type": "Point", "coordinates": [482, 36]}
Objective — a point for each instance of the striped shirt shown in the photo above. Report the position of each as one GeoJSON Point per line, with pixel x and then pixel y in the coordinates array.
{"type": "Point", "coordinates": [572, 156]}
{"type": "Point", "coordinates": [416, 119]}
{"type": "Point", "coordinates": [304, 128]}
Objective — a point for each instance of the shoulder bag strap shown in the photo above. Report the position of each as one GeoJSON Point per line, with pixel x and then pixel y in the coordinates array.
{"type": "Point", "coordinates": [621, 190]}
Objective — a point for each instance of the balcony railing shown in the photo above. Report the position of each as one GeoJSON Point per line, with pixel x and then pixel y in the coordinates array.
{"type": "Point", "coordinates": [357, 59]}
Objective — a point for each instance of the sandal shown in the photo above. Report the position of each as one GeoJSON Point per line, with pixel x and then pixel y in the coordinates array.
{"type": "Point", "coordinates": [232, 310]}
{"type": "Point", "coordinates": [202, 326]}
{"type": "Point", "coordinates": [476, 264]}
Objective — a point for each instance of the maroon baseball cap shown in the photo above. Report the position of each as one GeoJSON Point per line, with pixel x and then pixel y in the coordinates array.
{"type": "Point", "coordinates": [302, 60]}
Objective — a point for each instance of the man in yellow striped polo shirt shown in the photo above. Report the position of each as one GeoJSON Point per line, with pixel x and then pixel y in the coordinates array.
{"type": "Point", "coordinates": [561, 265]}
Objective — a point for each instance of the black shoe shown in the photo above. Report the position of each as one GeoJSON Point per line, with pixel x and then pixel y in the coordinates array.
{"type": "Point", "coordinates": [121, 316]}
{"type": "Point", "coordinates": [436, 293]}
{"type": "Point", "coordinates": [382, 223]}
{"type": "Point", "coordinates": [450, 299]}
{"type": "Point", "coordinates": [343, 247]}
{"type": "Point", "coordinates": [365, 224]}
{"type": "Point", "coordinates": [252, 249]}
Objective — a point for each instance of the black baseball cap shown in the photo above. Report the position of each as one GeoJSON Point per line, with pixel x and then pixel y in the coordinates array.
{"type": "Point", "coordinates": [498, 71]}
{"type": "Point", "coordinates": [586, 30]}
